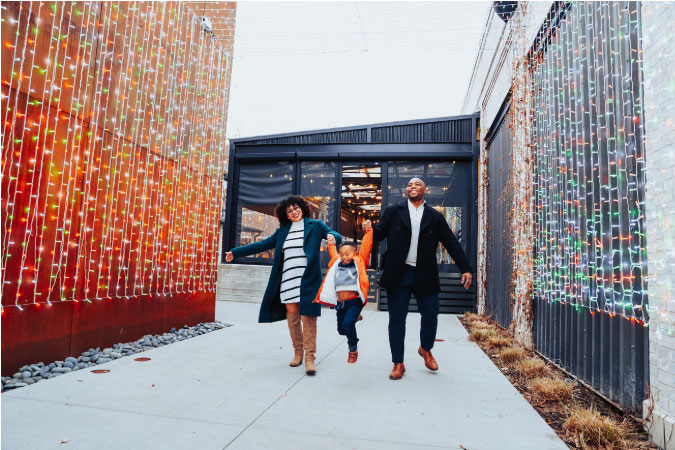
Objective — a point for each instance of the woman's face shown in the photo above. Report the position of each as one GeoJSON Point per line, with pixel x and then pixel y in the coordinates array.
{"type": "Point", "coordinates": [294, 213]}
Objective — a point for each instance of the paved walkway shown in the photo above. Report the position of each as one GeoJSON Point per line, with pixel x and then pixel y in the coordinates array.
{"type": "Point", "coordinates": [233, 389]}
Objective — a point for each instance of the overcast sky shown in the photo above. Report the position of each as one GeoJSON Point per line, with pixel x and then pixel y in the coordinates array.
{"type": "Point", "coordinates": [310, 65]}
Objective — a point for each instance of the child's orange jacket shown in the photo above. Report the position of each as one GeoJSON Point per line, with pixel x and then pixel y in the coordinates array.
{"type": "Point", "coordinates": [327, 294]}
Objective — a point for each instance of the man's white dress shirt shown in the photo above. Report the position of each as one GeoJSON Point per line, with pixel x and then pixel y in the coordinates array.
{"type": "Point", "coordinates": [415, 219]}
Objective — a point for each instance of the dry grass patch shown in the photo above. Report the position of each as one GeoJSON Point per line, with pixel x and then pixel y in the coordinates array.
{"type": "Point", "coordinates": [589, 429]}
{"type": "Point", "coordinates": [512, 354]}
{"type": "Point", "coordinates": [481, 324]}
{"type": "Point", "coordinates": [549, 389]}
{"type": "Point", "coordinates": [472, 317]}
{"type": "Point", "coordinates": [532, 367]}
{"type": "Point", "coordinates": [499, 341]}
{"type": "Point", "coordinates": [480, 334]}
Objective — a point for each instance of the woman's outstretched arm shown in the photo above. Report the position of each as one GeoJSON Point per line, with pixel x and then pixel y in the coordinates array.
{"type": "Point", "coordinates": [251, 249]}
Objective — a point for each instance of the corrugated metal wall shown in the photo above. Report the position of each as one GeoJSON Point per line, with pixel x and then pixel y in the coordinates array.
{"type": "Point", "coordinates": [330, 137]}
{"type": "Point", "coordinates": [608, 352]}
{"type": "Point", "coordinates": [589, 283]}
{"type": "Point", "coordinates": [499, 264]}
{"type": "Point", "coordinates": [445, 131]}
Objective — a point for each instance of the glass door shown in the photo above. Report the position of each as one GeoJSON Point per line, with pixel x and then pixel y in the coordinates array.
{"type": "Point", "coordinates": [361, 200]}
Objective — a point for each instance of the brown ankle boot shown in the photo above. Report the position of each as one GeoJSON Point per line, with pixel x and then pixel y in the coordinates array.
{"type": "Point", "coordinates": [309, 342]}
{"type": "Point", "coordinates": [295, 329]}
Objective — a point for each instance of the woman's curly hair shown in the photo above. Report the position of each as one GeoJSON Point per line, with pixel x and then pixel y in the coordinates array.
{"type": "Point", "coordinates": [295, 200]}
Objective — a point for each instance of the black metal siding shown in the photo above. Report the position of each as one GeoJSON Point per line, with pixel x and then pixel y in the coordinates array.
{"type": "Point", "coordinates": [451, 130]}
{"type": "Point", "coordinates": [446, 131]}
{"type": "Point", "coordinates": [499, 257]}
{"type": "Point", "coordinates": [334, 137]}
{"type": "Point", "coordinates": [609, 353]}
{"type": "Point", "coordinates": [453, 298]}
{"type": "Point", "coordinates": [589, 200]}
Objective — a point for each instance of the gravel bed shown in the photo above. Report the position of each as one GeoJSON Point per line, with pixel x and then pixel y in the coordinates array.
{"type": "Point", "coordinates": [32, 373]}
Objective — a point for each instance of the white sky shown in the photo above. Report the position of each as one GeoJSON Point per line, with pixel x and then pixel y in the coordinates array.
{"type": "Point", "coordinates": [309, 65]}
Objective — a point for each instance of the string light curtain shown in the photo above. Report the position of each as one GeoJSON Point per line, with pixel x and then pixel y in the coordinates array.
{"type": "Point", "coordinates": [590, 248]}
{"type": "Point", "coordinates": [113, 144]}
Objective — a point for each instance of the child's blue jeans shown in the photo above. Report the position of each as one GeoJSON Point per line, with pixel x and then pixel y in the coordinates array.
{"type": "Point", "coordinates": [347, 314]}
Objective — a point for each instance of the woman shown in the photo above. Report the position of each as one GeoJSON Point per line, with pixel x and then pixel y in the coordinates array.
{"type": "Point", "coordinates": [296, 275]}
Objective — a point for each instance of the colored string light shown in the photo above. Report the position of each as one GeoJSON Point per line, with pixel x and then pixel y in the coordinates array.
{"type": "Point", "coordinates": [589, 209]}
{"type": "Point", "coordinates": [114, 118]}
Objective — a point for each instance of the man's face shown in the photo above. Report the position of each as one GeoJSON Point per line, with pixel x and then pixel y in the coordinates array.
{"type": "Point", "coordinates": [416, 189]}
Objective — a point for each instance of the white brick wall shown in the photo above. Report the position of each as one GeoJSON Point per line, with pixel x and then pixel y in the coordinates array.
{"type": "Point", "coordinates": [658, 25]}
{"type": "Point", "coordinates": [242, 282]}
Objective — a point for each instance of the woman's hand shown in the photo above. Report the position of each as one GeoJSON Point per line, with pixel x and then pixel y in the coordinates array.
{"type": "Point", "coordinates": [330, 239]}
{"type": "Point", "coordinates": [229, 257]}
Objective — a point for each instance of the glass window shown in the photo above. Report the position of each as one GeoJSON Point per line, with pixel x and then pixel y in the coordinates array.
{"type": "Point", "coordinates": [318, 187]}
{"type": "Point", "coordinates": [261, 187]}
{"type": "Point", "coordinates": [448, 191]}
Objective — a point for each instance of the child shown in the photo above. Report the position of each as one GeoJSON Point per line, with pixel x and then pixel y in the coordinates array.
{"type": "Point", "coordinates": [346, 287]}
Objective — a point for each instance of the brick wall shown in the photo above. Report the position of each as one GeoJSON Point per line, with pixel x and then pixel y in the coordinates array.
{"type": "Point", "coordinates": [658, 21]}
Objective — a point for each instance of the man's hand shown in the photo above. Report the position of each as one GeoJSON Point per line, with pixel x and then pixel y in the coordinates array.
{"type": "Point", "coordinates": [229, 257]}
{"type": "Point", "coordinates": [330, 239]}
{"type": "Point", "coordinates": [367, 226]}
{"type": "Point", "coordinates": [466, 280]}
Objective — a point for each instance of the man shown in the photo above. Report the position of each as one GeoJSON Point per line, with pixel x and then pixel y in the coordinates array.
{"type": "Point", "coordinates": [413, 231]}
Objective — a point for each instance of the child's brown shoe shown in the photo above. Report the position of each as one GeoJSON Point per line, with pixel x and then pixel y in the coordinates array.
{"type": "Point", "coordinates": [353, 356]}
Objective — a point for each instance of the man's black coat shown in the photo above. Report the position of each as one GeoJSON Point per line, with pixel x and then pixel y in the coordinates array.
{"type": "Point", "coordinates": [395, 226]}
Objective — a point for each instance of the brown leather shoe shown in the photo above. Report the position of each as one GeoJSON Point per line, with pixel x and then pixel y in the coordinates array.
{"type": "Point", "coordinates": [429, 360]}
{"type": "Point", "coordinates": [397, 371]}
{"type": "Point", "coordinates": [353, 356]}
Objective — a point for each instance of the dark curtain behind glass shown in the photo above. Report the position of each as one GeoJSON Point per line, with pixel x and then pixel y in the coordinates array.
{"type": "Point", "coordinates": [261, 187]}
{"type": "Point", "coordinates": [318, 185]}
{"type": "Point", "coordinates": [448, 191]}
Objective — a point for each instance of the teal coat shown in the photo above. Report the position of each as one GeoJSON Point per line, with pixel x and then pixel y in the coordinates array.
{"type": "Point", "coordinates": [271, 309]}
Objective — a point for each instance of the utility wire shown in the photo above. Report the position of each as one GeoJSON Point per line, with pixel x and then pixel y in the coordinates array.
{"type": "Point", "coordinates": [365, 38]}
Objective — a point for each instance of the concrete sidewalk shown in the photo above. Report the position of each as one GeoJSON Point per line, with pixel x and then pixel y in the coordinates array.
{"type": "Point", "coordinates": [233, 389]}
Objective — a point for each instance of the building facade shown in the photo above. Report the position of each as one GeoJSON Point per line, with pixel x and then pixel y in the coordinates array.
{"type": "Point", "coordinates": [574, 103]}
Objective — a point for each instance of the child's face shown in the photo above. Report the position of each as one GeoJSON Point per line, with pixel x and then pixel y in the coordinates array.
{"type": "Point", "coordinates": [347, 253]}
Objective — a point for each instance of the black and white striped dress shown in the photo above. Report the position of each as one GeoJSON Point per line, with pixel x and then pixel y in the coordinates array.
{"type": "Point", "coordinates": [295, 262]}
